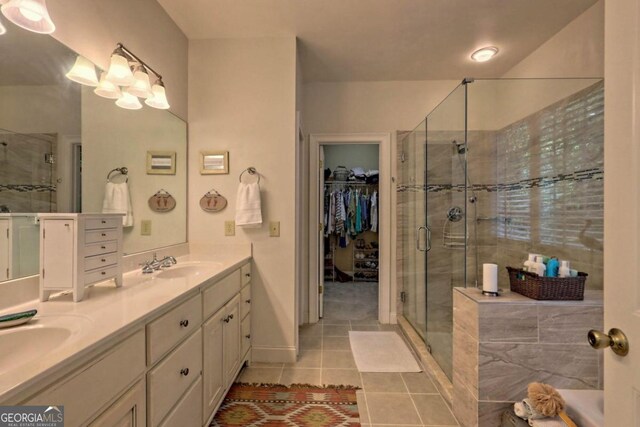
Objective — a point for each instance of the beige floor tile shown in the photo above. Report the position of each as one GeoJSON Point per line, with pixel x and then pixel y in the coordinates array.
{"type": "Point", "coordinates": [336, 343]}
{"type": "Point", "coordinates": [328, 321]}
{"type": "Point", "coordinates": [307, 359]}
{"type": "Point", "coordinates": [365, 328]}
{"type": "Point", "coordinates": [338, 359]}
{"type": "Point", "coordinates": [335, 331]}
{"type": "Point", "coordinates": [383, 382]}
{"type": "Point", "coordinates": [390, 328]}
{"type": "Point", "coordinates": [260, 375]}
{"type": "Point", "coordinates": [362, 407]}
{"type": "Point", "coordinates": [433, 410]}
{"type": "Point", "coordinates": [266, 365]}
{"type": "Point", "coordinates": [300, 376]}
{"type": "Point", "coordinates": [371, 321]}
{"type": "Point", "coordinates": [313, 329]}
{"type": "Point", "coordinates": [311, 343]}
{"type": "Point", "coordinates": [418, 382]}
{"type": "Point", "coordinates": [341, 377]}
{"type": "Point", "coordinates": [391, 408]}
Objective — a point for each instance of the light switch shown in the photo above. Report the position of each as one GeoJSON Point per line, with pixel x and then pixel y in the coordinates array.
{"type": "Point", "coordinates": [145, 227]}
{"type": "Point", "coordinates": [229, 228]}
{"type": "Point", "coordinates": [274, 229]}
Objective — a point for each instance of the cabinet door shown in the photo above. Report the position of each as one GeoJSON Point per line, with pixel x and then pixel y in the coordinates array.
{"type": "Point", "coordinates": [128, 411]}
{"type": "Point", "coordinates": [212, 367]}
{"type": "Point", "coordinates": [58, 246]}
{"type": "Point", "coordinates": [5, 249]}
{"type": "Point", "coordinates": [231, 339]}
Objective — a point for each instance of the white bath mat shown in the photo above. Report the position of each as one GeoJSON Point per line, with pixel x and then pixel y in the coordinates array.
{"type": "Point", "coordinates": [382, 352]}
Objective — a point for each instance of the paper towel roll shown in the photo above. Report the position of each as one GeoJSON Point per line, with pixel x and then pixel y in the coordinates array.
{"type": "Point", "coordinates": [490, 278]}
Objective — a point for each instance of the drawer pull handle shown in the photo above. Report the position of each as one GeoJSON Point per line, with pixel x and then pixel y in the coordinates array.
{"type": "Point", "coordinates": [184, 372]}
{"type": "Point", "coordinates": [248, 274]}
{"type": "Point", "coordinates": [103, 221]}
{"type": "Point", "coordinates": [103, 260]}
{"type": "Point", "coordinates": [248, 336]}
{"type": "Point", "coordinates": [184, 323]}
{"type": "Point", "coordinates": [248, 301]}
{"type": "Point", "coordinates": [103, 234]}
{"type": "Point", "coordinates": [228, 318]}
{"type": "Point", "coordinates": [103, 247]}
{"type": "Point", "coordinates": [103, 273]}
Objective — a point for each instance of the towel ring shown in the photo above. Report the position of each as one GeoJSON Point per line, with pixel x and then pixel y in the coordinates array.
{"type": "Point", "coordinates": [123, 171]}
{"type": "Point", "coordinates": [252, 171]}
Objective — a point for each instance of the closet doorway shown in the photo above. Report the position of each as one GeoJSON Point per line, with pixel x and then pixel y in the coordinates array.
{"type": "Point", "coordinates": [350, 210]}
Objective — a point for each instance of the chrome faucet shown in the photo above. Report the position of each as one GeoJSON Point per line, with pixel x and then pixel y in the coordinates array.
{"type": "Point", "coordinates": [155, 264]}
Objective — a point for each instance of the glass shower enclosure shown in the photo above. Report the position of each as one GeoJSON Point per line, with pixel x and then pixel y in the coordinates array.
{"type": "Point", "coordinates": [500, 168]}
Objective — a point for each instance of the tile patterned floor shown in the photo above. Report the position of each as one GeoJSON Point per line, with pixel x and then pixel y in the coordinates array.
{"type": "Point", "coordinates": [386, 399]}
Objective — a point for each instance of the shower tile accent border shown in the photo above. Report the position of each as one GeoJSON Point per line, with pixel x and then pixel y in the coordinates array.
{"type": "Point", "coordinates": [517, 343]}
{"type": "Point", "coordinates": [24, 188]}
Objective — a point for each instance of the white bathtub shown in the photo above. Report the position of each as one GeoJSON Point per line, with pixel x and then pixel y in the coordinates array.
{"type": "Point", "coordinates": [585, 407]}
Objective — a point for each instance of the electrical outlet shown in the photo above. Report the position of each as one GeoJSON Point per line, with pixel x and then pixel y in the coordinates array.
{"type": "Point", "coordinates": [145, 227]}
{"type": "Point", "coordinates": [229, 228]}
{"type": "Point", "coordinates": [274, 229]}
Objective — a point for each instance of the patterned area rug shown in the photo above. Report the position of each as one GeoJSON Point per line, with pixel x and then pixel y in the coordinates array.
{"type": "Point", "coordinates": [274, 405]}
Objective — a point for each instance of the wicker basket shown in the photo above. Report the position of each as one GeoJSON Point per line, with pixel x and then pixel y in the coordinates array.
{"type": "Point", "coordinates": [341, 173]}
{"type": "Point", "coordinates": [547, 288]}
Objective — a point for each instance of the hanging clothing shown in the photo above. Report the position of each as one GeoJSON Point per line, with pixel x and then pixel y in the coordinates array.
{"type": "Point", "coordinates": [348, 212]}
{"type": "Point", "coordinates": [374, 211]}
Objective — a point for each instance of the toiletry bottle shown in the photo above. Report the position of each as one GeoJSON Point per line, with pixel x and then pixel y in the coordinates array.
{"type": "Point", "coordinates": [539, 266]}
{"type": "Point", "coordinates": [552, 268]}
{"type": "Point", "coordinates": [529, 263]}
{"type": "Point", "coordinates": [564, 270]}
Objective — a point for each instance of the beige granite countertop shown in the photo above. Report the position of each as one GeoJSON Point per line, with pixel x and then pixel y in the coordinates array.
{"type": "Point", "coordinates": [591, 297]}
{"type": "Point", "coordinates": [108, 312]}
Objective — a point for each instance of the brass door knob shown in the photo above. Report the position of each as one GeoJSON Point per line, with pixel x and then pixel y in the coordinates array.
{"type": "Point", "coordinates": [616, 339]}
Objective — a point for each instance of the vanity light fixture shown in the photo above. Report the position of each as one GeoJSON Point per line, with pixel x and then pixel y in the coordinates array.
{"type": "Point", "coordinates": [119, 72]}
{"type": "Point", "coordinates": [140, 86]}
{"type": "Point", "coordinates": [106, 89]}
{"type": "Point", "coordinates": [484, 54]}
{"type": "Point", "coordinates": [159, 98]}
{"type": "Point", "coordinates": [2, 29]}
{"type": "Point", "coordinates": [31, 15]}
{"type": "Point", "coordinates": [83, 72]}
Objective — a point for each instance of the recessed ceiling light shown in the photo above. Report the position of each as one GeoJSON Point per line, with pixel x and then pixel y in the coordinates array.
{"type": "Point", "coordinates": [484, 54]}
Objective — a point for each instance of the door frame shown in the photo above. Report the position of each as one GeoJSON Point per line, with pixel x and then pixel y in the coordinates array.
{"type": "Point", "coordinates": [386, 295]}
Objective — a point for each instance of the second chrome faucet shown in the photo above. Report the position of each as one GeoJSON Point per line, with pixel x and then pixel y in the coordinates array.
{"type": "Point", "coordinates": [155, 264]}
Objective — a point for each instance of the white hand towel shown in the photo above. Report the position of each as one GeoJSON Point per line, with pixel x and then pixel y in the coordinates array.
{"type": "Point", "coordinates": [248, 210]}
{"type": "Point", "coordinates": [118, 200]}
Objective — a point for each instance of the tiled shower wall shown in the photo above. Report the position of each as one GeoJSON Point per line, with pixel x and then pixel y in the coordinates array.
{"type": "Point", "coordinates": [26, 180]}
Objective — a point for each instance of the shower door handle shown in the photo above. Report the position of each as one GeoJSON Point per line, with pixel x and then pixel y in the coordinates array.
{"type": "Point", "coordinates": [428, 230]}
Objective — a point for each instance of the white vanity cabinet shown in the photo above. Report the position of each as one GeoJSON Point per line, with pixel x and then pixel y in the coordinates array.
{"type": "Point", "coordinates": [224, 349]}
{"type": "Point", "coordinates": [77, 250]}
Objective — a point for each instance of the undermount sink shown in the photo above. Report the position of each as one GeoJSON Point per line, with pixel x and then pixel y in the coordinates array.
{"type": "Point", "coordinates": [22, 344]}
{"type": "Point", "coordinates": [190, 269]}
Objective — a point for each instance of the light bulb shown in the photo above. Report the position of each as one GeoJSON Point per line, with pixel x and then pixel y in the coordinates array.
{"type": "Point", "coordinates": [83, 72]}
{"type": "Point", "coordinates": [119, 72]}
{"type": "Point", "coordinates": [159, 98]}
{"type": "Point", "coordinates": [106, 89]}
{"type": "Point", "coordinates": [31, 15]}
{"type": "Point", "coordinates": [128, 101]}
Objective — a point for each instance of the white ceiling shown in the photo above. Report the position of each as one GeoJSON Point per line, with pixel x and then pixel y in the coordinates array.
{"type": "Point", "coordinates": [369, 40]}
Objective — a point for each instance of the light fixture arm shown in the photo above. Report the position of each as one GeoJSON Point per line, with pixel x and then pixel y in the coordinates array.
{"type": "Point", "coordinates": [132, 55]}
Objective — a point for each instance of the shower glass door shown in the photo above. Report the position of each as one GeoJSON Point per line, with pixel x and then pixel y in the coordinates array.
{"type": "Point", "coordinates": [432, 212]}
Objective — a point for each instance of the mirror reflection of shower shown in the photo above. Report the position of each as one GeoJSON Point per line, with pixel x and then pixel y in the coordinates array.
{"type": "Point", "coordinates": [461, 149]}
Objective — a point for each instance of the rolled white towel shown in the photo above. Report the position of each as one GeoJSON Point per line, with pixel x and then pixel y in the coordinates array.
{"type": "Point", "coordinates": [547, 422]}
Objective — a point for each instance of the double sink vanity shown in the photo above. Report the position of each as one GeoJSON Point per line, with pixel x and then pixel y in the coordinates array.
{"type": "Point", "coordinates": [161, 350]}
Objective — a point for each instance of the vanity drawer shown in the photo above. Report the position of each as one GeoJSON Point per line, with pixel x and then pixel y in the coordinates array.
{"type": "Point", "coordinates": [168, 381]}
{"type": "Point", "coordinates": [219, 293]}
{"type": "Point", "coordinates": [100, 248]}
{"type": "Point", "coordinates": [100, 223]}
{"type": "Point", "coordinates": [246, 336]}
{"type": "Point", "coordinates": [188, 412]}
{"type": "Point", "coordinates": [100, 235]}
{"type": "Point", "coordinates": [94, 385]}
{"type": "Point", "coordinates": [245, 301]}
{"type": "Point", "coordinates": [100, 274]}
{"type": "Point", "coordinates": [245, 270]}
{"type": "Point", "coordinates": [98, 261]}
{"type": "Point", "coordinates": [169, 329]}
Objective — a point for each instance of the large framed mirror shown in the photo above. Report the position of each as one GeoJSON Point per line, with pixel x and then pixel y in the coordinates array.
{"type": "Point", "coordinates": [59, 142]}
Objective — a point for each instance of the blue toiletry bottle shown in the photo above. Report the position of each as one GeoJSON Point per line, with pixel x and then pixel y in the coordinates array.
{"type": "Point", "coordinates": [552, 268]}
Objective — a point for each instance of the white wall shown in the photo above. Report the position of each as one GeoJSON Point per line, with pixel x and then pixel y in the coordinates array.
{"type": "Point", "coordinates": [242, 98]}
{"type": "Point", "coordinates": [93, 27]}
{"type": "Point", "coordinates": [575, 51]}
